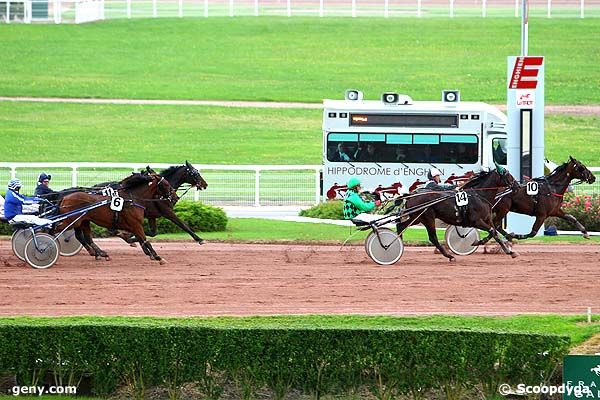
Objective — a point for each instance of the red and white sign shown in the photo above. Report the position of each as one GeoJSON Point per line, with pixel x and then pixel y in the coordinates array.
{"type": "Point", "coordinates": [525, 98]}
{"type": "Point", "coordinates": [525, 73]}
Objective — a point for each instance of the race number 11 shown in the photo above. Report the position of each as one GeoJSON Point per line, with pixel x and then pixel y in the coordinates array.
{"type": "Point", "coordinates": [461, 198]}
{"type": "Point", "coordinates": [532, 188]}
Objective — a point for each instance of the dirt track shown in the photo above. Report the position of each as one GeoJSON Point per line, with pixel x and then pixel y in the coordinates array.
{"type": "Point", "coordinates": [241, 279]}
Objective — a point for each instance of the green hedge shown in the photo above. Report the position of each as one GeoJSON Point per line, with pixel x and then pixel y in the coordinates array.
{"type": "Point", "coordinates": [387, 362]}
{"type": "Point", "coordinates": [586, 208]}
{"type": "Point", "coordinates": [331, 209]}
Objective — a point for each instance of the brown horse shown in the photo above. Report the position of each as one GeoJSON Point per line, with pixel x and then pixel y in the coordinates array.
{"type": "Point", "coordinates": [425, 206]}
{"type": "Point", "coordinates": [548, 201]}
{"type": "Point", "coordinates": [134, 190]}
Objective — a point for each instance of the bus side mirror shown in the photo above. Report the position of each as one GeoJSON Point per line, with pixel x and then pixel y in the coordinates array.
{"type": "Point", "coordinates": [353, 95]}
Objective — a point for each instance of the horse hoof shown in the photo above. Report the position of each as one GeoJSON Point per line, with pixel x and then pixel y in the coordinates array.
{"type": "Point", "coordinates": [452, 259]}
{"type": "Point", "coordinates": [201, 241]}
{"type": "Point", "coordinates": [162, 261]}
{"type": "Point", "coordinates": [586, 236]}
{"type": "Point", "coordinates": [132, 244]}
{"type": "Point", "coordinates": [514, 254]}
{"type": "Point", "coordinates": [97, 257]}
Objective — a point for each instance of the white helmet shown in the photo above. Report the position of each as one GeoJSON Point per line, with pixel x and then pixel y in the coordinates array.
{"type": "Point", "coordinates": [433, 172]}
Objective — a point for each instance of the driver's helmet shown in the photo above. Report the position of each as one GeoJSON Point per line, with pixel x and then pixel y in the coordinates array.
{"type": "Point", "coordinates": [44, 176]}
{"type": "Point", "coordinates": [432, 173]}
{"type": "Point", "coordinates": [353, 182]}
{"type": "Point", "coordinates": [14, 184]}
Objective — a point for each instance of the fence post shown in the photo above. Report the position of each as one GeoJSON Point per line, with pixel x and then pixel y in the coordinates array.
{"type": "Point", "coordinates": [353, 8]}
{"type": "Point", "coordinates": [129, 9]}
{"type": "Point", "coordinates": [57, 12]}
{"type": "Point", "coordinates": [289, 8]}
{"type": "Point", "coordinates": [206, 8]}
{"type": "Point", "coordinates": [256, 8]}
{"type": "Point", "coordinates": [257, 187]}
{"type": "Point", "coordinates": [516, 8]}
{"type": "Point", "coordinates": [386, 10]}
{"type": "Point", "coordinates": [154, 13]}
{"type": "Point", "coordinates": [317, 186]}
{"type": "Point", "coordinates": [581, 13]}
{"type": "Point", "coordinates": [13, 172]}
{"type": "Point", "coordinates": [74, 176]}
{"type": "Point", "coordinates": [418, 8]}
{"type": "Point", "coordinates": [231, 8]}
{"type": "Point", "coordinates": [549, 9]}
{"type": "Point", "coordinates": [483, 8]}
{"type": "Point", "coordinates": [180, 8]}
{"type": "Point", "coordinates": [8, 11]}
{"type": "Point", "coordinates": [321, 4]}
{"type": "Point", "coordinates": [451, 8]}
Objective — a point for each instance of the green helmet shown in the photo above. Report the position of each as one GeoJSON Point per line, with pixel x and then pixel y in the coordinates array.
{"type": "Point", "coordinates": [353, 182]}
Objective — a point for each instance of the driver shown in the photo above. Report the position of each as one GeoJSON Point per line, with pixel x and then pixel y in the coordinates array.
{"type": "Point", "coordinates": [435, 180]}
{"type": "Point", "coordinates": [353, 204]}
{"type": "Point", "coordinates": [13, 206]}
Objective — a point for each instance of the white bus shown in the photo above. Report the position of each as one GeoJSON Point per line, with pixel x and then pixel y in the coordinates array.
{"type": "Point", "coordinates": [392, 142]}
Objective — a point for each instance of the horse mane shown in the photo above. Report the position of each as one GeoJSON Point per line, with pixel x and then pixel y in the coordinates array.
{"type": "Point", "coordinates": [559, 169]}
{"type": "Point", "coordinates": [167, 173]}
{"type": "Point", "coordinates": [477, 178]}
{"type": "Point", "coordinates": [135, 180]}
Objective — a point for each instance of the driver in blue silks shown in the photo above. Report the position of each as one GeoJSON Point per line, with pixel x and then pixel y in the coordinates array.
{"type": "Point", "coordinates": [13, 206]}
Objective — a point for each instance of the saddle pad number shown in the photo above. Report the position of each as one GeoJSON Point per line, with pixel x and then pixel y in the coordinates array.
{"type": "Point", "coordinates": [109, 192]}
{"type": "Point", "coordinates": [116, 203]}
{"type": "Point", "coordinates": [532, 188]}
{"type": "Point", "coordinates": [462, 199]}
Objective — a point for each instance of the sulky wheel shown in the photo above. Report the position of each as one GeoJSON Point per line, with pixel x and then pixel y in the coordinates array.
{"type": "Point", "coordinates": [41, 251]}
{"type": "Point", "coordinates": [18, 240]}
{"type": "Point", "coordinates": [68, 243]}
{"type": "Point", "coordinates": [384, 246]}
{"type": "Point", "coordinates": [460, 240]}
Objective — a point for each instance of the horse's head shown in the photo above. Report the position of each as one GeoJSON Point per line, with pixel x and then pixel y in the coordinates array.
{"type": "Point", "coordinates": [576, 170]}
{"type": "Point", "coordinates": [161, 188]}
{"type": "Point", "coordinates": [193, 177]}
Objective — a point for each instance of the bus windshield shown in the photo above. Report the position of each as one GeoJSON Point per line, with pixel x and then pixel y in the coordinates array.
{"type": "Point", "coordinates": [402, 148]}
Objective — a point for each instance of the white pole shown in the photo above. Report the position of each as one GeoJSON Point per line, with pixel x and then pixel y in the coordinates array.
{"type": "Point", "coordinates": [451, 8]}
{"type": "Point", "coordinates": [154, 8]}
{"type": "Point", "coordinates": [74, 177]}
{"type": "Point", "coordinates": [129, 9]}
{"type": "Point", "coordinates": [289, 8]}
{"type": "Point", "coordinates": [28, 11]}
{"type": "Point", "coordinates": [418, 8]}
{"type": "Point", "coordinates": [525, 28]}
{"type": "Point", "coordinates": [353, 8]}
{"type": "Point", "coordinates": [484, 8]}
{"type": "Point", "coordinates": [8, 11]}
{"type": "Point", "coordinates": [206, 8]}
{"type": "Point", "coordinates": [589, 315]}
{"type": "Point", "coordinates": [256, 8]}
{"type": "Point", "coordinates": [386, 11]}
{"type": "Point", "coordinates": [257, 188]}
{"type": "Point", "coordinates": [231, 8]}
{"type": "Point", "coordinates": [321, 7]}
{"type": "Point", "coordinates": [317, 186]}
{"type": "Point", "coordinates": [549, 8]}
{"type": "Point", "coordinates": [516, 8]}
{"type": "Point", "coordinates": [581, 8]}
{"type": "Point", "coordinates": [58, 12]}
{"type": "Point", "coordinates": [180, 8]}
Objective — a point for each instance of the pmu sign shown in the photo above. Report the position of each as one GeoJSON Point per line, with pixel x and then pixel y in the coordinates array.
{"type": "Point", "coordinates": [525, 129]}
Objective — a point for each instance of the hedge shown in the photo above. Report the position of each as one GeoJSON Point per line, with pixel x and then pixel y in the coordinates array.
{"type": "Point", "coordinates": [386, 362]}
{"type": "Point", "coordinates": [331, 209]}
{"type": "Point", "coordinates": [586, 208]}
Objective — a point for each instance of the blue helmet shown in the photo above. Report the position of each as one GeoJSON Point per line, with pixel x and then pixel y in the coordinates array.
{"type": "Point", "coordinates": [14, 184]}
{"type": "Point", "coordinates": [44, 176]}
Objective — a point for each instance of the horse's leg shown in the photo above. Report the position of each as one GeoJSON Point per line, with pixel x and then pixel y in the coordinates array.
{"type": "Point", "coordinates": [138, 230]}
{"type": "Point", "coordinates": [87, 232]}
{"type": "Point", "coordinates": [429, 222]}
{"type": "Point", "coordinates": [539, 220]}
{"type": "Point", "coordinates": [152, 225]}
{"type": "Point", "coordinates": [568, 217]}
{"type": "Point", "coordinates": [81, 238]}
{"type": "Point", "coordinates": [488, 226]}
{"type": "Point", "coordinates": [168, 213]}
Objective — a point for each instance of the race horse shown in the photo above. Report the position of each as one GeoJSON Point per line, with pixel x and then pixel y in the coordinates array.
{"type": "Point", "coordinates": [424, 206]}
{"type": "Point", "coordinates": [134, 190]}
{"type": "Point", "coordinates": [546, 203]}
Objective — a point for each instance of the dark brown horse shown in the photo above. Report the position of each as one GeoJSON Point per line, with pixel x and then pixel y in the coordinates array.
{"type": "Point", "coordinates": [134, 190]}
{"type": "Point", "coordinates": [548, 201]}
{"type": "Point", "coordinates": [425, 206]}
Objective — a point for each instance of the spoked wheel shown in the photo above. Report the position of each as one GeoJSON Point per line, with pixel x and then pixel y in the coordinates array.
{"type": "Point", "coordinates": [460, 240]}
{"type": "Point", "coordinates": [18, 240]}
{"type": "Point", "coordinates": [384, 246]}
{"type": "Point", "coordinates": [41, 251]}
{"type": "Point", "coordinates": [68, 243]}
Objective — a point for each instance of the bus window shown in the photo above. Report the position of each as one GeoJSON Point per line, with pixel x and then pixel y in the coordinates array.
{"type": "Point", "coordinates": [499, 151]}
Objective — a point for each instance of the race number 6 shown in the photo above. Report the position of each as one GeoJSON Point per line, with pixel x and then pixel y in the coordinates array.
{"type": "Point", "coordinates": [116, 203]}
{"type": "Point", "coordinates": [461, 198]}
{"type": "Point", "coordinates": [532, 188]}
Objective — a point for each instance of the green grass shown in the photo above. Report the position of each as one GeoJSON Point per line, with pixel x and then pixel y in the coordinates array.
{"type": "Point", "coordinates": [266, 230]}
{"type": "Point", "coordinates": [295, 59]}
{"type": "Point", "coordinates": [572, 326]}
{"type": "Point", "coordinates": [208, 135]}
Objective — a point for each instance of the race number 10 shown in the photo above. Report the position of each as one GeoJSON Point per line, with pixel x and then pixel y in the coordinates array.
{"type": "Point", "coordinates": [461, 198]}
{"type": "Point", "coordinates": [532, 188]}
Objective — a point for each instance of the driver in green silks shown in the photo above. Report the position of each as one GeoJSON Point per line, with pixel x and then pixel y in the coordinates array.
{"type": "Point", "coordinates": [353, 204]}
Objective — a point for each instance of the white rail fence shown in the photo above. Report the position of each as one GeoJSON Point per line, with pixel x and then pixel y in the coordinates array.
{"type": "Point", "coordinates": [78, 11]}
{"type": "Point", "coordinates": [228, 185]}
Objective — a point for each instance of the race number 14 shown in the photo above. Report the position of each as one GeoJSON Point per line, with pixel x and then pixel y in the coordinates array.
{"type": "Point", "coordinates": [462, 199]}
{"type": "Point", "coordinates": [532, 188]}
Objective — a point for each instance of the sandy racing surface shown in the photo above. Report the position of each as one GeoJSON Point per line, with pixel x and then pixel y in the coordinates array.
{"type": "Point", "coordinates": [241, 279]}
